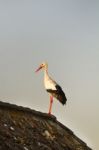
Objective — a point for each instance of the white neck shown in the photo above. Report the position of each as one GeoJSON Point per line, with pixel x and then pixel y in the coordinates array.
{"type": "Point", "coordinates": [48, 82]}
{"type": "Point", "coordinates": [46, 72]}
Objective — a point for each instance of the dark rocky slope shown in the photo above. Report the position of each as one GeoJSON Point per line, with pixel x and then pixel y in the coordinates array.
{"type": "Point", "coordinates": [25, 129]}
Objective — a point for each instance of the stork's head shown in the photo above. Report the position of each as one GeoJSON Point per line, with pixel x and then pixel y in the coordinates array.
{"type": "Point", "coordinates": [42, 66]}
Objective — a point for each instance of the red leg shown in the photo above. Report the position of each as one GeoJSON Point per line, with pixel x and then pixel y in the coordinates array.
{"type": "Point", "coordinates": [51, 102]}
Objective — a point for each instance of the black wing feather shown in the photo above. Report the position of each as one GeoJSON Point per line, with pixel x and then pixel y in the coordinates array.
{"type": "Point", "coordinates": [61, 95]}
{"type": "Point", "coordinates": [58, 94]}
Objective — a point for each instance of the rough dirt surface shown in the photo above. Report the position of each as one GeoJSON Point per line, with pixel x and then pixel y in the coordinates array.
{"type": "Point", "coordinates": [25, 129]}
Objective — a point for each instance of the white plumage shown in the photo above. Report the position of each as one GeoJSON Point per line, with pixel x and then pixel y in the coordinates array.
{"type": "Point", "coordinates": [49, 83]}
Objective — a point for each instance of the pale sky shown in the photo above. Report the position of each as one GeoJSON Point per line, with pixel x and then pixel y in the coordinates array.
{"type": "Point", "coordinates": [65, 33]}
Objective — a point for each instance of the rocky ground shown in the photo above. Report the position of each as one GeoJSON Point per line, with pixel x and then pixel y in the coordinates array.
{"type": "Point", "coordinates": [25, 129]}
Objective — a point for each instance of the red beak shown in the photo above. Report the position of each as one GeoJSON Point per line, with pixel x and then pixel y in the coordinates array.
{"type": "Point", "coordinates": [38, 69]}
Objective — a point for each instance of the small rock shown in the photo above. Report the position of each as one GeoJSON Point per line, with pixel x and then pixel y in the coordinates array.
{"type": "Point", "coordinates": [11, 128]}
{"type": "Point", "coordinates": [5, 125]}
{"type": "Point", "coordinates": [48, 135]}
{"type": "Point", "coordinates": [25, 148]}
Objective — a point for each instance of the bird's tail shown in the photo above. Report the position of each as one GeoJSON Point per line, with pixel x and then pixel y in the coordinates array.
{"type": "Point", "coordinates": [62, 98]}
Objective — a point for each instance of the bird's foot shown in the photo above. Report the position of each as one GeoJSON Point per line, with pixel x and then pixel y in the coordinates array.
{"type": "Point", "coordinates": [49, 113]}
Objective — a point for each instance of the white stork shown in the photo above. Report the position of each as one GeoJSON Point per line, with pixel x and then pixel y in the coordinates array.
{"type": "Point", "coordinates": [52, 87]}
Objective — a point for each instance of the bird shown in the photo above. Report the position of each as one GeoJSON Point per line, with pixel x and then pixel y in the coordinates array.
{"type": "Point", "coordinates": [52, 87]}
